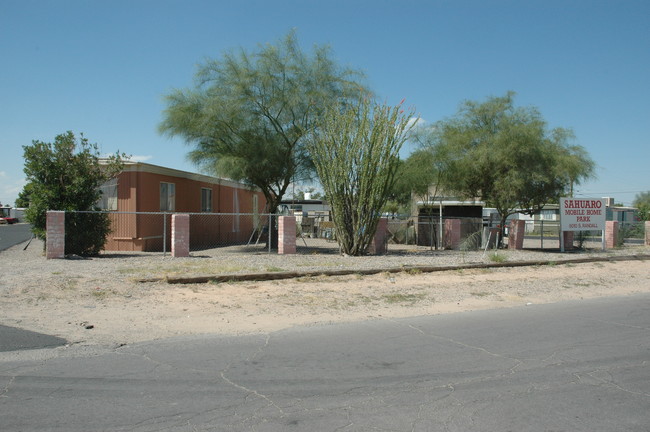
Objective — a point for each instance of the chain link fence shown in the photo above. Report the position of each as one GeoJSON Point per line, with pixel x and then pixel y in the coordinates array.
{"type": "Point", "coordinates": [404, 234]}
{"type": "Point", "coordinates": [242, 232]}
{"type": "Point", "coordinates": [316, 234]}
{"type": "Point", "coordinates": [412, 233]}
{"type": "Point", "coordinates": [631, 233]}
{"type": "Point", "coordinates": [542, 234]}
{"type": "Point", "coordinates": [249, 233]}
{"type": "Point", "coordinates": [152, 232]}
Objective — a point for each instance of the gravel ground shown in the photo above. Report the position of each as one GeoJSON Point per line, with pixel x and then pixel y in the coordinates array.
{"type": "Point", "coordinates": [100, 301]}
{"type": "Point", "coordinates": [235, 260]}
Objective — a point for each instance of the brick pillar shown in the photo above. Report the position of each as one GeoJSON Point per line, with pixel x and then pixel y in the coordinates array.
{"type": "Point", "coordinates": [452, 234]}
{"type": "Point", "coordinates": [180, 235]}
{"type": "Point", "coordinates": [378, 243]}
{"type": "Point", "coordinates": [568, 239]}
{"type": "Point", "coordinates": [611, 234]}
{"type": "Point", "coordinates": [286, 235]}
{"type": "Point", "coordinates": [516, 232]}
{"type": "Point", "coordinates": [55, 235]}
{"type": "Point", "coordinates": [647, 233]}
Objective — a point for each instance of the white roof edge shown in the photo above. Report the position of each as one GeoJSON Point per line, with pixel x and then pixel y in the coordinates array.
{"type": "Point", "coordinates": [132, 166]}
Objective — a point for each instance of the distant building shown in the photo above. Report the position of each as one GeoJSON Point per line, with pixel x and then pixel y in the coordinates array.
{"type": "Point", "coordinates": [307, 207]}
{"type": "Point", "coordinates": [312, 215]}
{"type": "Point", "coordinates": [623, 214]}
{"type": "Point", "coordinates": [428, 215]}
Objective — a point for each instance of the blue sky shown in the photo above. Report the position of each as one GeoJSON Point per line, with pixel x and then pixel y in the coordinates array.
{"type": "Point", "coordinates": [103, 67]}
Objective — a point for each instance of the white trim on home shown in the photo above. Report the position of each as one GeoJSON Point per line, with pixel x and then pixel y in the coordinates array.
{"type": "Point", "coordinates": [130, 166]}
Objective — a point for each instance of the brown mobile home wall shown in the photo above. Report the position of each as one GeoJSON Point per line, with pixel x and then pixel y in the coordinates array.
{"type": "Point", "coordinates": [139, 191]}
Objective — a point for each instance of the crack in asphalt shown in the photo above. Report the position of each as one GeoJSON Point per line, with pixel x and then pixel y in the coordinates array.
{"type": "Point", "coordinates": [457, 407]}
{"type": "Point", "coordinates": [249, 390]}
{"type": "Point", "coordinates": [512, 370]}
{"type": "Point", "coordinates": [5, 390]}
{"type": "Point", "coordinates": [14, 374]}
{"type": "Point", "coordinates": [611, 382]}
{"type": "Point", "coordinates": [621, 324]}
{"type": "Point", "coordinates": [449, 411]}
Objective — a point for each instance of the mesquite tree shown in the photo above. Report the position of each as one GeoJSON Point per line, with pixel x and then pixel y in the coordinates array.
{"type": "Point", "coordinates": [507, 156]}
{"type": "Point", "coordinates": [250, 113]}
{"type": "Point", "coordinates": [642, 202]}
{"type": "Point", "coordinates": [356, 153]}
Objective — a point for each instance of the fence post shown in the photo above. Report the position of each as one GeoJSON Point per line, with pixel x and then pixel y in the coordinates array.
{"type": "Point", "coordinates": [378, 243]}
{"type": "Point", "coordinates": [286, 235]}
{"type": "Point", "coordinates": [452, 234]}
{"type": "Point", "coordinates": [568, 239]}
{"type": "Point", "coordinates": [180, 235]}
{"type": "Point", "coordinates": [55, 235]}
{"type": "Point", "coordinates": [164, 234]}
{"type": "Point", "coordinates": [270, 232]}
{"type": "Point", "coordinates": [647, 233]}
{"type": "Point", "coordinates": [611, 234]}
{"type": "Point", "coordinates": [516, 234]}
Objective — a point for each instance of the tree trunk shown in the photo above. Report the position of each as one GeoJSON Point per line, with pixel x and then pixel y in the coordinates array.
{"type": "Point", "coordinates": [502, 230]}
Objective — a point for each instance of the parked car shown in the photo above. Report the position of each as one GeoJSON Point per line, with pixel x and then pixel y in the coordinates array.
{"type": "Point", "coordinates": [5, 216]}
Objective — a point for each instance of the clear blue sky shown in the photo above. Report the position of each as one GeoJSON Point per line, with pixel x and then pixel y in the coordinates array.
{"type": "Point", "coordinates": [103, 67]}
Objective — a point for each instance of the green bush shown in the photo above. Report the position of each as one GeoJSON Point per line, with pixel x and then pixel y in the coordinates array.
{"type": "Point", "coordinates": [66, 176]}
{"type": "Point", "coordinates": [85, 233]}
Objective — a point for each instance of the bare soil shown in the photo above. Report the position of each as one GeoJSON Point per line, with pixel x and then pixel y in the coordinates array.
{"type": "Point", "coordinates": [100, 301]}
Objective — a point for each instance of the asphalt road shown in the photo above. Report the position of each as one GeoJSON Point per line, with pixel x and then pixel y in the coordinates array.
{"type": "Point", "coordinates": [574, 366]}
{"type": "Point", "coordinates": [14, 339]}
{"type": "Point", "coordinates": [14, 234]}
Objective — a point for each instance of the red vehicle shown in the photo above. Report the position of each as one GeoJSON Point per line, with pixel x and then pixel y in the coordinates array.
{"type": "Point", "coordinates": [5, 216]}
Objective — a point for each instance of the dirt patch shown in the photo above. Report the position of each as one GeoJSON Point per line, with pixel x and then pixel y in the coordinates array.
{"type": "Point", "coordinates": [99, 301]}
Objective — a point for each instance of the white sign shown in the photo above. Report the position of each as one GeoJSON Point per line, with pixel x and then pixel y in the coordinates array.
{"type": "Point", "coordinates": [587, 214]}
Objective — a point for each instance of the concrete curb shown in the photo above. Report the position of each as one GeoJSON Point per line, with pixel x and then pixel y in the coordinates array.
{"type": "Point", "coordinates": [238, 277]}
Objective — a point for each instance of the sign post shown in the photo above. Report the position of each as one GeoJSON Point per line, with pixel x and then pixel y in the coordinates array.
{"type": "Point", "coordinates": [587, 214]}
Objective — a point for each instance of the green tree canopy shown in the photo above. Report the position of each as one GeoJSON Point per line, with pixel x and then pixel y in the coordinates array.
{"type": "Point", "coordinates": [507, 156]}
{"type": "Point", "coordinates": [249, 113]}
{"type": "Point", "coordinates": [417, 176]}
{"type": "Point", "coordinates": [356, 152]}
{"type": "Point", "coordinates": [642, 202]}
{"type": "Point", "coordinates": [66, 175]}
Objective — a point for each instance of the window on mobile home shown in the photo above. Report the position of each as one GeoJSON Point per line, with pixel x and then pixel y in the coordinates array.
{"type": "Point", "coordinates": [167, 196]}
{"type": "Point", "coordinates": [206, 200]}
{"type": "Point", "coordinates": [108, 200]}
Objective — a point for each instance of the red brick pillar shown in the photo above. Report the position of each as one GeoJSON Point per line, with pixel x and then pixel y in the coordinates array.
{"type": "Point", "coordinates": [516, 232]}
{"type": "Point", "coordinates": [55, 235]}
{"type": "Point", "coordinates": [378, 243]}
{"type": "Point", "coordinates": [452, 234]}
{"type": "Point", "coordinates": [611, 234]}
{"type": "Point", "coordinates": [647, 233]}
{"type": "Point", "coordinates": [180, 235]}
{"type": "Point", "coordinates": [568, 239]}
{"type": "Point", "coordinates": [286, 235]}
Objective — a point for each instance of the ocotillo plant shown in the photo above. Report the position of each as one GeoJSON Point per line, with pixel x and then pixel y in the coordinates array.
{"type": "Point", "coordinates": [356, 150]}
